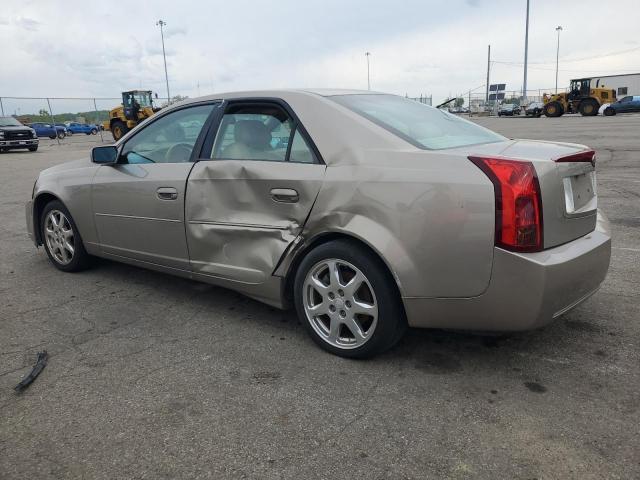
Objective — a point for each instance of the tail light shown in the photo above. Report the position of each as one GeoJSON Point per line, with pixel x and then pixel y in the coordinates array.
{"type": "Point", "coordinates": [518, 203]}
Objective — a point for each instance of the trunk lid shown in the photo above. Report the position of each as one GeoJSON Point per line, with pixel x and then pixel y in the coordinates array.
{"type": "Point", "coordinates": [567, 184]}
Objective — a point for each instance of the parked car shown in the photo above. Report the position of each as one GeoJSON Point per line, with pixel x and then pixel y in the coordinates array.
{"type": "Point", "coordinates": [75, 127]}
{"type": "Point", "coordinates": [48, 130]}
{"type": "Point", "coordinates": [624, 105]}
{"type": "Point", "coordinates": [534, 109]}
{"type": "Point", "coordinates": [14, 135]}
{"type": "Point", "coordinates": [379, 213]}
{"type": "Point", "coordinates": [509, 109]}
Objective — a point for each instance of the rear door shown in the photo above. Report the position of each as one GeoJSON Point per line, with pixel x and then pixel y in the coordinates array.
{"type": "Point", "coordinates": [251, 192]}
{"type": "Point", "coordinates": [138, 204]}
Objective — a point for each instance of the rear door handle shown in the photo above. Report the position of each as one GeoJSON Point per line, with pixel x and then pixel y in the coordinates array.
{"type": "Point", "coordinates": [167, 193]}
{"type": "Point", "coordinates": [284, 195]}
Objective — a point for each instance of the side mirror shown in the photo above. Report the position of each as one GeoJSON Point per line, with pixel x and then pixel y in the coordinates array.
{"type": "Point", "coordinates": [105, 155]}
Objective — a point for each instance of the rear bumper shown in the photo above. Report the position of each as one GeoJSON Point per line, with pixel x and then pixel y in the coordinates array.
{"type": "Point", "coordinates": [13, 144]}
{"type": "Point", "coordinates": [527, 290]}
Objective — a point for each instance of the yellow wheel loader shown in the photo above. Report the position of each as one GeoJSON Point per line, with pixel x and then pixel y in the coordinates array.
{"type": "Point", "coordinates": [580, 98]}
{"type": "Point", "coordinates": [137, 105]}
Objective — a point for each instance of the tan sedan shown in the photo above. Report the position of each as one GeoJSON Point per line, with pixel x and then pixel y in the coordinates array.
{"type": "Point", "coordinates": [367, 212]}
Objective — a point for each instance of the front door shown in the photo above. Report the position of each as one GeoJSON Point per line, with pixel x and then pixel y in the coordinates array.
{"type": "Point", "coordinates": [249, 197]}
{"type": "Point", "coordinates": [138, 204]}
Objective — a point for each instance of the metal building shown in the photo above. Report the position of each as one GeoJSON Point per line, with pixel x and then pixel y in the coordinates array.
{"type": "Point", "coordinates": [626, 84]}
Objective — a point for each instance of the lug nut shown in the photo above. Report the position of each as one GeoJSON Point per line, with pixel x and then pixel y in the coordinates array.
{"type": "Point", "coordinates": [332, 308]}
{"type": "Point", "coordinates": [332, 295]}
{"type": "Point", "coordinates": [341, 293]}
{"type": "Point", "coordinates": [343, 313]}
{"type": "Point", "coordinates": [347, 304]}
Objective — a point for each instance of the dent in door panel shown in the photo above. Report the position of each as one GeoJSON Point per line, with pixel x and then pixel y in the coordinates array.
{"type": "Point", "coordinates": [236, 230]}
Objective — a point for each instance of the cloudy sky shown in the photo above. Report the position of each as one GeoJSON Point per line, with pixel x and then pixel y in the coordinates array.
{"type": "Point", "coordinates": [88, 48]}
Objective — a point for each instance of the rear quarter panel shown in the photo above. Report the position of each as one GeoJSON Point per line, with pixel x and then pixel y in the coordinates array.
{"type": "Point", "coordinates": [430, 217]}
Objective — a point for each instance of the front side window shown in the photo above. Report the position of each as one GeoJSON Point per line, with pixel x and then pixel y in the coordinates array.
{"type": "Point", "coordinates": [170, 139]}
{"type": "Point", "coordinates": [421, 125]}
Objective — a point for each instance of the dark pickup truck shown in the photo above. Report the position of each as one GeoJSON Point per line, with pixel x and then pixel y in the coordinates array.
{"type": "Point", "coordinates": [15, 135]}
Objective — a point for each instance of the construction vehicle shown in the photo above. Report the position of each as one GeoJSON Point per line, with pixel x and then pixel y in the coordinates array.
{"type": "Point", "coordinates": [137, 105]}
{"type": "Point", "coordinates": [580, 98]}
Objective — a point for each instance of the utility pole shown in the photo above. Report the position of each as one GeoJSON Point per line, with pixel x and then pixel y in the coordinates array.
{"type": "Point", "coordinates": [558, 29]}
{"type": "Point", "coordinates": [367, 54]}
{"type": "Point", "coordinates": [526, 52]}
{"type": "Point", "coordinates": [486, 99]}
{"type": "Point", "coordinates": [164, 56]}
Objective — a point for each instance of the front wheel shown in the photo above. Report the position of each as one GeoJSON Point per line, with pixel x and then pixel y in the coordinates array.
{"type": "Point", "coordinates": [347, 300]}
{"type": "Point", "coordinates": [61, 135]}
{"type": "Point", "coordinates": [94, 131]}
{"type": "Point", "coordinates": [609, 111]}
{"type": "Point", "coordinates": [553, 109]}
{"type": "Point", "coordinates": [61, 238]}
{"type": "Point", "coordinates": [118, 130]}
{"type": "Point", "coordinates": [33, 149]}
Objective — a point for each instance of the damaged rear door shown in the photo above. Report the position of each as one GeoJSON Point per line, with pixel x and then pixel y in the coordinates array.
{"type": "Point", "coordinates": [251, 192]}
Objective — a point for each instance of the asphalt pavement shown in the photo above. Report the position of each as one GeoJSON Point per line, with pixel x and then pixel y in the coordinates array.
{"type": "Point", "coordinates": [153, 376]}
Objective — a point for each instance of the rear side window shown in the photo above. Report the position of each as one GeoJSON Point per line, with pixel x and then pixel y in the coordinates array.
{"type": "Point", "coordinates": [249, 132]}
{"type": "Point", "coordinates": [423, 126]}
{"type": "Point", "coordinates": [260, 132]}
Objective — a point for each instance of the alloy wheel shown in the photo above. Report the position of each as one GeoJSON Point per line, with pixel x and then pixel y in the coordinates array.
{"type": "Point", "coordinates": [340, 303]}
{"type": "Point", "coordinates": [59, 237]}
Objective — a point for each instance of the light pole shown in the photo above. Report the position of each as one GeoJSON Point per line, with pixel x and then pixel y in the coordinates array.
{"type": "Point", "coordinates": [164, 56]}
{"type": "Point", "coordinates": [526, 52]}
{"type": "Point", "coordinates": [367, 54]}
{"type": "Point", "coordinates": [558, 29]}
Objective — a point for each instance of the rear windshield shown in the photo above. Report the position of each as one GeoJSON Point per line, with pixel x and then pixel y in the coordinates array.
{"type": "Point", "coordinates": [423, 126]}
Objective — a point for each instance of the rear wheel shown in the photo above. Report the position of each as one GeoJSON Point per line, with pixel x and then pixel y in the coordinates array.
{"type": "Point", "coordinates": [61, 238]}
{"type": "Point", "coordinates": [61, 135]}
{"type": "Point", "coordinates": [553, 109]}
{"type": "Point", "coordinates": [588, 107]}
{"type": "Point", "coordinates": [347, 301]}
{"type": "Point", "coordinates": [118, 130]}
{"type": "Point", "coordinates": [52, 137]}
{"type": "Point", "coordinates": [609, 111]}
{"type": "Point", "coordinates": [94, 131]}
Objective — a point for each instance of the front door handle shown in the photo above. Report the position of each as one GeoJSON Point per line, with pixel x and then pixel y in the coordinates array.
{"type": "Point", "coordinates": [167, 193]}
{"type": "Point", "coordinates": [284, 195]}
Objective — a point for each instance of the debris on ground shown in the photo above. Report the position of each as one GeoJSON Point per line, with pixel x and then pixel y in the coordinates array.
{"type": "Point", "coordinates": [41, 362]}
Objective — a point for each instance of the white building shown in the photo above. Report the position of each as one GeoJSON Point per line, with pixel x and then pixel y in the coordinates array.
{"type": "Point", "coordinates": [627, 84]}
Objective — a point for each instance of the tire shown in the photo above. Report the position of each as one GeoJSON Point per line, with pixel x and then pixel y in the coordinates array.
{"type": "Point", "coordinates": [61, 135]}
{"type": "Point", "coordinates": [87, 133]}
{"type": "Point", "coordinates": [588, 107]}
{"type": "Point", "coordinates": [94, 131]}
{"type": "Point", "coordinates": [379, 329]}
{"type": "Point", "coordinates": [54, 241]}
{"type": "Point", "coordinates": [118, 130]}
{"type": "Point", "coordinates": [33, 149]}
{"type": "Point", "coordinates": [609, 111]}
{"type": "Point", "coordinates": [69, 133]}
{"type": "Point", "coordinates": [553, 109]}
{"type": "Point", "coordinates": [52, 137]}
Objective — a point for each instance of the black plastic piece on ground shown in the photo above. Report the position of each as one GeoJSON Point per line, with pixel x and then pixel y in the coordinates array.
{"type": "Point", "coordinates": [41, 362]}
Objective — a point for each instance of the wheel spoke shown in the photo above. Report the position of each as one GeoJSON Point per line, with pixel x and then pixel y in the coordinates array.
{"type": "Point", "coordinates": [67, 246]}
{"type": "Point", "coordinates": [319, 309]}
{"type": "Point", "coordinates": [334, 274]}
{"type": "Point", "coordinates": [320, 287]}
{"type": "Point", "coordinates": [354, 284]}
{"type": "Point", "coordinates": [364, 309]}
{"type": "Point", "coordinates": [334, 328]}
{"type": "Point", "coordinates": [355, 329]}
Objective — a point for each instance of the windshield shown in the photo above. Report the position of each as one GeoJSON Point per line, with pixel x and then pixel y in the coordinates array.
{"type": "Point", "coordinates": [9, 122]}
{"type": "Point", "coordinates": [143, 99]}
{"type": "Point", "coordinates": [421, 125]}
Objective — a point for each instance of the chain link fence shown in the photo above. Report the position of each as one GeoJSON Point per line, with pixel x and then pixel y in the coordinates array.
{"type": "Point", "coordinates": [62, 110]}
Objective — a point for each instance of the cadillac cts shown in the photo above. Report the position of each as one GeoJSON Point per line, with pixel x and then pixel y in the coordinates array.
{"type": "Point", "coordinates": [366, 212]}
